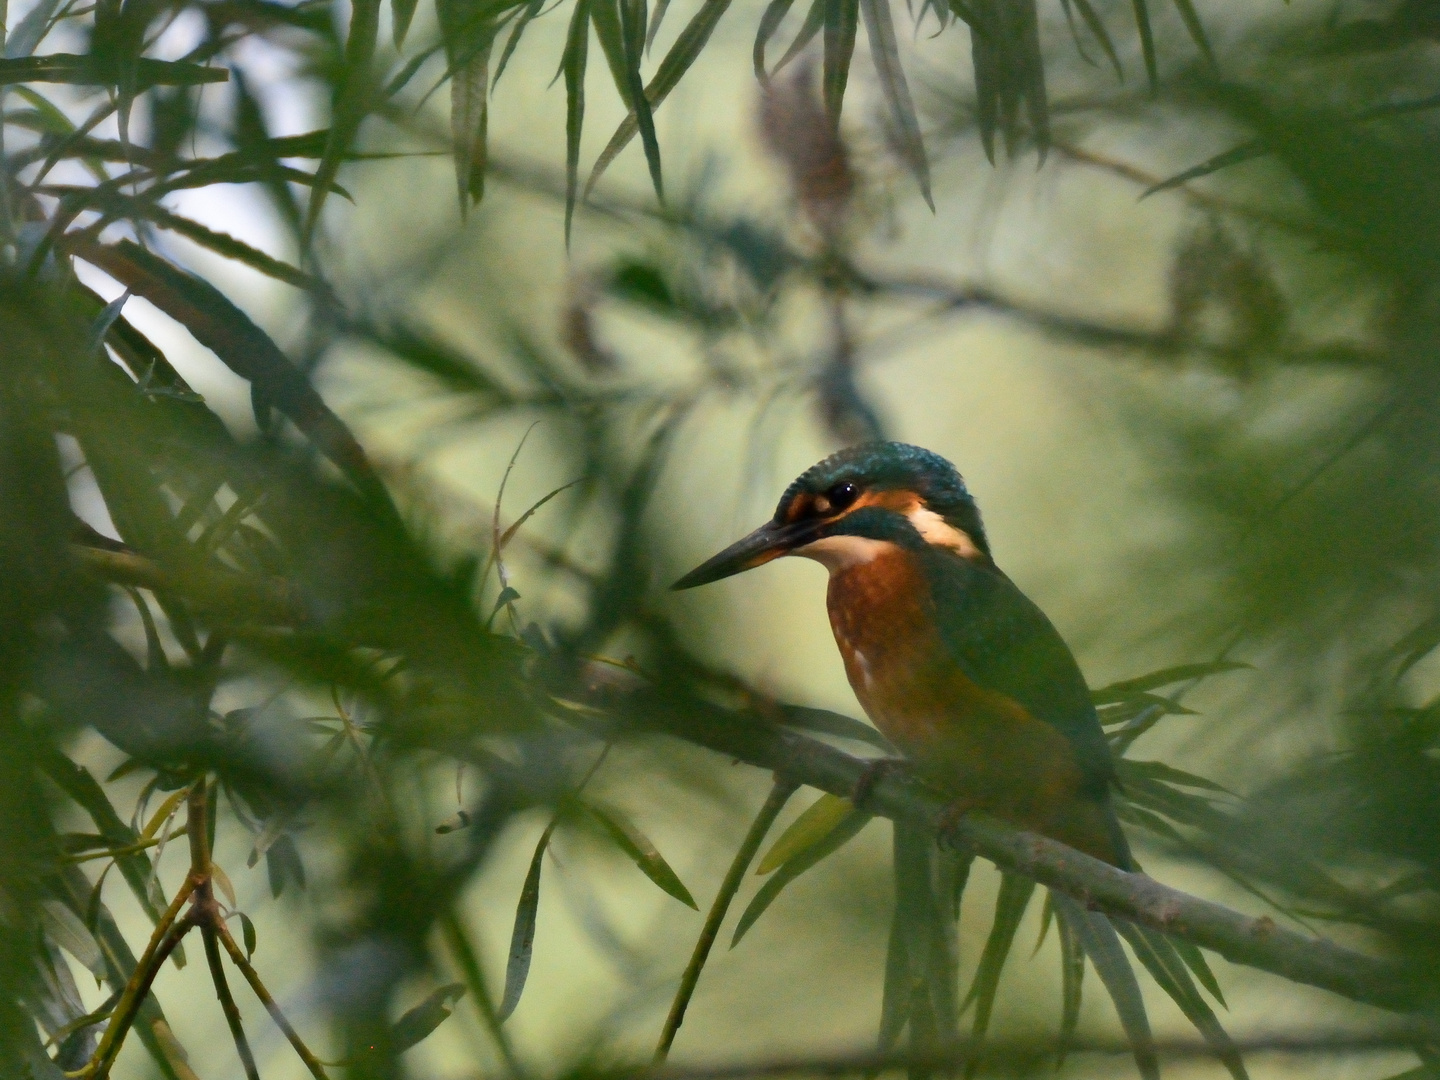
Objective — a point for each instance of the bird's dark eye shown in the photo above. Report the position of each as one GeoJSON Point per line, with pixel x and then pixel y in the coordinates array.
{"type": "Point", "coordinates": [842, 495]}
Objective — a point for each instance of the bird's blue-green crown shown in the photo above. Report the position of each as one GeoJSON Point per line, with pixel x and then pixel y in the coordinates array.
{"type": "Point", "coordinates": [895, 466]}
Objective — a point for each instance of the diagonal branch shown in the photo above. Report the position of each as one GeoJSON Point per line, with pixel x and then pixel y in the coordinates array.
{"type": "Point", "coordinates": [1242, 939]}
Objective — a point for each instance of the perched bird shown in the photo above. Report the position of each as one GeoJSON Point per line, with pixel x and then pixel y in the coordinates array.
{"type": "Point", "coordinates": [951, 661]}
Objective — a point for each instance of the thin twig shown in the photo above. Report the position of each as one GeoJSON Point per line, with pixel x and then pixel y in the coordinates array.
{"type": "Point", "coordinates": [253, 978]}
{"type": "Point", "coordinates": [227, 1001]}
{"type": "Point", "coordinates": [469, 963]}
{"type": "Point", "coordinates": [780, 794]}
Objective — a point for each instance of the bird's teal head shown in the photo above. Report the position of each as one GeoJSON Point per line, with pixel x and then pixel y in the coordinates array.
{"type": "Point", "coordinates": [856, 504]}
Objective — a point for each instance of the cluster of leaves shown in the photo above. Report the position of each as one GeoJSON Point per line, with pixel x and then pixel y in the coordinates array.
{"type": "Point", "coordinates": [285, 562]}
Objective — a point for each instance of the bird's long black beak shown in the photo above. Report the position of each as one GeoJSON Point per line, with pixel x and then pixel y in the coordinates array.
{"type": "Point", "coordinates": [769, 541]}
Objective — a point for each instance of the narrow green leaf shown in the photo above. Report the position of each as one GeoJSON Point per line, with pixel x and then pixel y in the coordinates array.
{"type": "Point", "coordinates": [1147, 42]}
{"type": "Point", "coordinates": [898, 996]}
{"type": "Point", "coordinates": [885, 52]}
{"type": "Point", "coordinates": [614, 29]}
{"type": "Point", "coordinates": [469, 120]}
{"type": "Point", "coordinates": [661, 7]}
{"type": "Point", "coordinates": [247, 933]}
{"type": "Point", "coordinates": [842, 20]}
{"type": "Point", "coordinates": [103, 322]}
{"type": "Point", "coordinates": [677, 61]}
{"type": "Point", "coordinates": [837, 839]}
{"type": "Point", "coordinates": [401, 13]}
{"type": "Point", "coordinates": [1158, 770]}
{"type": "Point", "coordinates": [1098, 938]}
{"type": "Point", "coordinates": [1168, 970]}
{"type": "Point", "coordinates": [1117, 691]}
{"type": "Point", "coordinates": [1047, 916]}
{"type": "Point", "coordinates": [92, 71]}
{"type": "Point", "coordinates": [775, 12]}
{"type": "Point", "coordinates": [164, 811]}
{"type": "Point", "coordinates": [424, 1018]}
{"type": "Point", "coordinates": [642, 852]}
{"type": "Point", "coordinates": [30, 30]}
{"type": "Point", "coordinates": [529, 12]}
{"type": "Point", "coordinates": [1236, 155]}
{"type": "Point", "coordinates": [572, 63]}
{"type": "Point", "coordinates": [1196, 29]}
{"type": "Point", "coordinates": [64, 928]}
{"type": "Point", "coordinates": [1072, 980]}
{"type": "Point", "coordinates": [522, 937]}
{"type": "Point", "coordinates": [813, 24]}
{"type": "Point", "coordinates": [1098, 31]}
{"type": "Point", "coordinates": [833, 723]}
{"type": "Point", "coordinates": [1010, 905]}
{"type": "Point", "coordinates": [1195, 961]}
{"type": "Point", "coordinates": [818, 821]}
{"type": "Point", "coordinates": [351, 106]}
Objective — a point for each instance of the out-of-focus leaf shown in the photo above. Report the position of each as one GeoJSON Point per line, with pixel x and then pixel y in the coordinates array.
{"type": "Point", "coordinates": [522, 936]}
{"type": "Point", "coordinates": [469, 119]}
{"type": "Point", "coordinates": [223, 328]}
{"type": "Point", "coordinates": [92, 71]}
{"type": "Point", "coordinates": [424, 1018]}
{"type": "Point", "coordinates": [1010, 906]}
{"type": "Point", "coordinates": [1196, 962]}
{"type": "Point", "coordinates": [1098, 938]}
{"type": "Point", "coordinates": [1147, 42]}
{"type": "Point", "coordinates": [401, 13]}
{"type": "Point", "coordinates": [529, 12]}
{"type": "Point", "coordinates": [572, 63]}
{"type": "Point", "coordinates": [248, 935]}
{"type": "Point", "coordinates": [656, 18]}
{"type": "Point", "coordinates": [642, 852]}
{"type": "Point", "coordinates": [30, 30]}
{"type": "Point", "coordinates": [1196, 28]}
{"type": "Point", "coordinates": [283, 865]}
{"type": "Point", "coordinates": [1165, 966]}
{"type": "Point", "coordinates": [65, 929]}
{"type": "Point", "coordinates": [838, 838]}
{"type": "Point", "coordinates": [842, 20]}
{"type": "Point", "coordinates": [614, 29]}
{"type": "Point", "coordinates": [222, 882]}
{"type": "Point", "coordinates": [350, 105]}
{"type": "Point", "coordinates": [1158, 770]}
{"type": "Point", "coordinates": [677, 61]}
{"type": "Point", "coordinates": [104, 321]}
{"type": "Point", "coordinates": [826, 722]}
{"type": "Point", "coordinates": [818, 821]}
{"type": "Point", "coordinates": [1072, 980]}
{"type": "Point", "coordinates": [813, 24]}
{"type": "Point", "coordinates": [775, 12]}
{"type": "Point", "coordinates": [1118, 691]}
{"type": "Point", "coordinates": [163, 812]}
{"type": "Point", "coordinates": [885, 52]}
{"type": "Point", "coordinates": [1247, 151]}
{"type": "Point", "coordinates": [1047, 916]}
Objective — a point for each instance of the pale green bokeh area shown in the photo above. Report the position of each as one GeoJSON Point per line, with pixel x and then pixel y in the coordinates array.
{"type": "Point", "coordinates": [1074, 499]}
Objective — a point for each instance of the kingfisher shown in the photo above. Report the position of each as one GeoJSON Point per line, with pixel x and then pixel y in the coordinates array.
{"type": "Point", "coordinates": [956, 666]}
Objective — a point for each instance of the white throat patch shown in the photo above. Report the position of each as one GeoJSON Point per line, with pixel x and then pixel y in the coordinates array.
{"type": "Point", "coordinates": [934, 529]}
{"type": "Point", "coordinates": [842, 552]}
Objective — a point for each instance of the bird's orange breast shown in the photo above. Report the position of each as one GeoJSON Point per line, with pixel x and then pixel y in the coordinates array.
{"type": "Point", "coordinates": [970, 740]}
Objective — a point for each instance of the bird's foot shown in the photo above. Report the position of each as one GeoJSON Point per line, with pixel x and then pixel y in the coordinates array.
{"type": "Point", "coordinates": [874, 770]}
{"type": "Point", "coordinates": [949, 820]}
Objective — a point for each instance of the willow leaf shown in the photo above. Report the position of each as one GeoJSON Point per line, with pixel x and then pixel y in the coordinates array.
{"type": "Point", "coordinates": [1098, 31]}
{"type": "Point", "coordinates": [1147, 42]}
{"type": "Point", "coordinates": [529, 12]}
{"type": "Point", "coordinates": [401, 13]}
{"type": "Point", "coordinates": [842, 19]}
{"type": "Point", "coordinates": [1196, 28]}
{"type": "Point", "coordinates": [1165, 966]}
{"type": "Point", "coordinates": [1195, 961]}
{"type": "Point", "coordinates": [1118, 691]}
{"type": "Point", "coordinates": [813, 24]}
{"type": "Point", "coordinates": [1236, 155]}
{"type": "Point", "coordinates": [572, 63]}
{"type": "Point", "coordinates": [1010, 905]}
{"type": "Point", "coordinates": [417, 1023]}
{"type": "Point", "coordinates": [469, 118]}
{"type": "Point", "coordinates": [1102, 945]}
{"type": "Point", "coordinates": [642, 852]}
{"type": "Point", "coordinates": [1072, 981]}
{"type": "Point", "coordinates": [822, 818]}
{"type": "Point", "coordinates": [613, 29]}
{"type": "Point", "coordinates": [522, 936]}
{"type": "Point", "coordinates": [775, 13]}
{"type": "Point", "coordinates": [672, 69]}
{"type": "Point", "coordinates": [350, 106]}
{"type": "Point", "coordinates": [880, 30]}
{"type": "Point", "coordinates": [837, 839]}
{"type": "Point", "coordinates": [833, 723]}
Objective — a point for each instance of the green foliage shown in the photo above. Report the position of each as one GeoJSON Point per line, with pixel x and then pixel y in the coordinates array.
{"type": "Point", "coordinates": [267, 573]}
